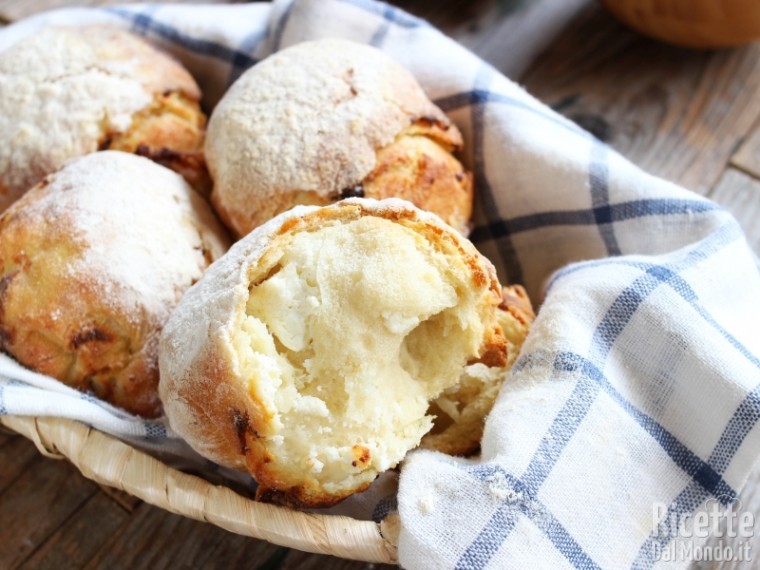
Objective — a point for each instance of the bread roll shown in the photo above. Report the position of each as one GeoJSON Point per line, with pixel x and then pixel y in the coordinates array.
{"type": "Point", "coordinates": [326, 120]}
{"type": "Point", "coordinates": [461, 410]}
{"type": "Point", "coordinates": [70, 91]}
{"type": "Point", "coordinates": [308, 354]}
{"type": "Point", "coordinates": [92, 260]}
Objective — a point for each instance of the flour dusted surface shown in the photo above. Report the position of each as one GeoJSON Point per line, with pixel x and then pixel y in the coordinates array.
{"type": "Point", "coordinates": [305, 124]}
{"type": "Point", "coordinates": [93, 261]}
{"type": "Point", "coordinates": [64, 89]}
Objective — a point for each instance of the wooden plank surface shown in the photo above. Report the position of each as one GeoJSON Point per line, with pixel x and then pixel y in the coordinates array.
{"type": "Point", "coordinates": [16, 456]}
{"type": "Point", "coordinates": [740, 194]}
{"type": "Point", "coordinates": [77, 541]}
{"type": "Point", "coordinates": [690, 116]}
{"type": "Point", "coordinates": [40, 502]}
{"type": "Point", "coordinates": [747, 156]}
{"type": "Point", "coordinates": [677, 113]}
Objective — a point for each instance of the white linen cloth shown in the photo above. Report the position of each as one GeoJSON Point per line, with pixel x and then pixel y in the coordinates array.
{"type": "Point", "coordinates": [639, 383]}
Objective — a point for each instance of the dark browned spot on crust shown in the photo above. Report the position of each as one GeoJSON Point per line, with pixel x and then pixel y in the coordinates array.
{"type": "Point", "coordinates": [515, 300]}
{"type": "Point", "coordinates": [362, 456]}
{"type": "Point", "coordinates": [242, 425]}
{"type": "Point", "coordinates": [495, 355]}
{"type": "Point", "coordinates": [430, 120]}
{"type": "Point", "coordinates": [348, 77]}
{"type": "Point", "coordinates": [105, 142]}
{"type": "Point", "coordinates": [159, 155]}
{"type": "Point", "coordinates": [6, 338]}
{"type": "Point", "coordinates": [93, 334]}
{"type": "Point", "coordinates": [301, 497]}
{"type": "Point", "coordinates": [352, 192]}
{"type": "Point", "coordinates": [206, 253]}
{"type": "Point", "coordinates": [183, 163]}
{"type": "Point", "coordinates": [460, 176]}
{"type": "Point", "coordinates": [5, 282]}
{"type": "Point", "coordinates": [99, 387]}
{"type": "Point", "coordinates": [268, 495]}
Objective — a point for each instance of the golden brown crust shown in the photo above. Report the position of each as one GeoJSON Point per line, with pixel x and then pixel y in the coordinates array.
{"type": "Point", "coordinates": [418, 166]}
{"type": "Point", "coordinates": [169, 131]}
{"type": "Point", "coordinates": [204, 395]}
{"type": "Point", "coordinates": [515, 300]}
{"type": "Point", "coordinates": [70, 91]}
{"type": "Point", "coordinates": [326, 120]}
{"type": "Point", "coordinates": [301, 497]}
{"type": "Point", "coordinates": [64, 310]}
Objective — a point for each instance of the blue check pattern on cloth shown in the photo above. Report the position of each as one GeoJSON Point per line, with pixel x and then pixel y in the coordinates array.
{"type": "Point", "coordinates": [640, 382]}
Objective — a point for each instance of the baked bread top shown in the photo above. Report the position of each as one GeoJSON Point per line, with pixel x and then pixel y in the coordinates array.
{"type": "Point", "coordinates": [305, 126]}
{"type": "Point", "coordinates": [308, 354]}
{"type": "Point", "coordinates": [92, 261]}
{"type": "Point", "coordinates": [69, 91]}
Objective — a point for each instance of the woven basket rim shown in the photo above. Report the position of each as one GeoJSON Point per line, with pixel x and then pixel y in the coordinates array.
{"type": "Point", "coordinates": [114, 463]}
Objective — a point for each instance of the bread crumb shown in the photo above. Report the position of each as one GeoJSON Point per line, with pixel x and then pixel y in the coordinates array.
{"type": "Point", "coordinates": [427, 504]}
{"type": "Point", "coordinates": [501, 490]}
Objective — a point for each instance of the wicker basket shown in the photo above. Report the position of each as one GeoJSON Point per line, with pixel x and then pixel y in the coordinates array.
{"type": "Point", "coordinates": [111, 462]}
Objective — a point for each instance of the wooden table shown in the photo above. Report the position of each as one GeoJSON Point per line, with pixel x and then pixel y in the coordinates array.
{"type": "Point", "coordinates": [690, 116]}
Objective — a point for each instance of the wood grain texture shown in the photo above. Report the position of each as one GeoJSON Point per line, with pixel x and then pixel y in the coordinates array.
{"type": "Point", "coordinates": [157, 539]}
{"type": "Point", "coordinates": [739, 193]}
{"type": "Point", "coordinates": [509, 35]}
{"type": "Point", "coordinates": [296, 560]}
{"type": "Point", "coordinates": [126, 501]}
{"type": "Point", "coordinates": [676, 113]}
{"type": "Point", "coordinates": [39, 503]}
{"type": "Point", "coordinates": [16, 456]}
{"type": "Point", "coordinates": [747, 156]}
{"type": "Point", "coordinates": [96, 524]}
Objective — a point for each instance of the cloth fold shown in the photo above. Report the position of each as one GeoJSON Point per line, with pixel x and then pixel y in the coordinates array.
{"type": "Point", "coordinates": [637, 396]}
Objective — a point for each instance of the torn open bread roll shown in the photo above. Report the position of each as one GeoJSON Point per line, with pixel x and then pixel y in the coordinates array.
{"type": "Point", "coordinates": [69, 91]}
{"type": "Point", "coordinates": [309, 354]}
{"type": "Point", "coordinates": [330, 119]}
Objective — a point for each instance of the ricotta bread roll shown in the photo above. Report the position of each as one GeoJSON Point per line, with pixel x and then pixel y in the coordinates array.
{"type": "Point", "coordinates": [309, 354]}
{"type": "Point", "coordinates": [70, 91]}
{"type": "Point", "coordinates": [460, 411]}
{"type": "Point", "coordinates": [92, 260]}
{"type": "Point", "coordinates": [326, 120]}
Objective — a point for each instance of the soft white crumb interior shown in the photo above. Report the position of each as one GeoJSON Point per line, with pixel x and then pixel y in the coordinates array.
{"type": "Point", "coordinates": [349, 331]}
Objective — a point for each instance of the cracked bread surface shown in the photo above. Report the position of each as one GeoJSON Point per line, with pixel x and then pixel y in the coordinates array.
{"type": "Point", "coordinates": [70, 91]}
{"type": "Point", "coordinates": [92, 260]}
{"type": "Point", "coordinates": [330, 119]}
{"type": "Point", "coordinates": [308, 355]}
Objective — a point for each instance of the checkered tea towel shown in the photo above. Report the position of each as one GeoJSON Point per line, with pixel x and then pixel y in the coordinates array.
{"type": "Point", "coordinates": [639, 384]}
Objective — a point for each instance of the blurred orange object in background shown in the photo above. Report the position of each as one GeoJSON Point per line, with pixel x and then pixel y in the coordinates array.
{"type": "Point", "coordinates": [692, 23]}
